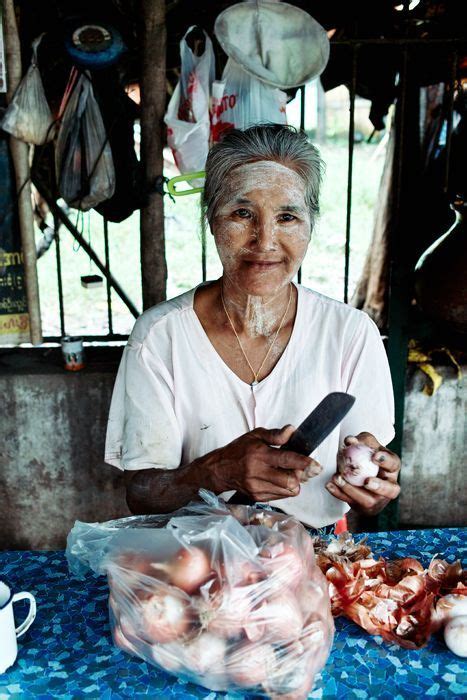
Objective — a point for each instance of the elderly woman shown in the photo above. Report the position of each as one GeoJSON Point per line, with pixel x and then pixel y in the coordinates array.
{"type": "Point", "coordinates": [212, 381]}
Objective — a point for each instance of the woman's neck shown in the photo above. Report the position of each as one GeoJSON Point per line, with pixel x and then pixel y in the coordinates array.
{"type": "Point", "coordinates": [255, 316]}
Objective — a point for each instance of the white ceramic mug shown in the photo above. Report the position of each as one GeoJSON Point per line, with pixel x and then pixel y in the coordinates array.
{"type": "Point", "coordinates": [8, 632]}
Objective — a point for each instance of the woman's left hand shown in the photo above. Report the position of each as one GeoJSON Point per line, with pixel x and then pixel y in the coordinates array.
{"type": "Point", "coordinates": [377, 491]}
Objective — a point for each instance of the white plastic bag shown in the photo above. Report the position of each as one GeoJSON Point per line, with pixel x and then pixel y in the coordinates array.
{"type": "Point", "coordinates": [83, 157]}
{"type": "Point", "coordinates": [228, 597]}
{"type": "Point", "coordinates": [187, 116]}
{"type": "Point", "coordinates": [28, 117]}
{"type": "Point", "coordinates": [239, 100]}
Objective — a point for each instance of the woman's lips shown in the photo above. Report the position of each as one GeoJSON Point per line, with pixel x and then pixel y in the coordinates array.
{"type": "Point", "coordinates": [262, 264]}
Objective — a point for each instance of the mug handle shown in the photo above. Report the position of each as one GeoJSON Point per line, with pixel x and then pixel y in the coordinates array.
{"type": "Point", "coordinates": [24, 626]}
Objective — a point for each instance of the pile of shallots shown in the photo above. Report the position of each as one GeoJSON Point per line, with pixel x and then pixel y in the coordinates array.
{"type": "Point", "coordinates": [400, 599]}
{"type": "Point", "coordinates": [234, 601]}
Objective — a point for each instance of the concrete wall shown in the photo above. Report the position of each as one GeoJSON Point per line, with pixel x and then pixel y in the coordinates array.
{"type": "Point", "coordinates": [434, 449]}
{"type": "Point", "coordinates": [51, 447]}
{"type": "Point", "coordinates": [52, 440]}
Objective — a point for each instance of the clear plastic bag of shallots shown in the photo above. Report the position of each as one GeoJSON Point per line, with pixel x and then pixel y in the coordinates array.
{"type": "Point", "coordinates": [229, 597]}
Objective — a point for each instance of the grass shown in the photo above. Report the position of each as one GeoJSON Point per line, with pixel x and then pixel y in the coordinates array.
{"type": "Point", "coordinates": [323, 268]}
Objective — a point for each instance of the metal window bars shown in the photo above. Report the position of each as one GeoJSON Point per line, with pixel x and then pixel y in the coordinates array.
{"type": "Point", "coordinates": [406, 45]}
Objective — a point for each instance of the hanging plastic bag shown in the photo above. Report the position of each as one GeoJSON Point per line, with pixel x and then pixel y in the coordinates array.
{"type": "Point", "coordinates": [28, 117]}
{"type": "Point", "coordinates": [228, 597]}
{"type": "Point", "coordinates": [187, 116]}
{"type": "Point", "coordinates": [239, 100]}
{"type": "Point", "coordinates": [83, 157]}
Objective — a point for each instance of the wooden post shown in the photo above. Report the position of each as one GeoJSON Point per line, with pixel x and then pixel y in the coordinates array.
{"type": "Point", "coordinates": [20, 156]}
{"type": "Point", "coordinates": [153, 99]}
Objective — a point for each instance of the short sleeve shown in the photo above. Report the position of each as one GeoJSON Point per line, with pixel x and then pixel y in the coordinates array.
{"type": "Point", "coordinates": [366, 375]}
{"type": "Point", "coordinates": [142, 429]}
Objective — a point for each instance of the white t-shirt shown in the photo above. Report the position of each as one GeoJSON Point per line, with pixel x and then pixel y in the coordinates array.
{"type": "Point", "coordinates": [175, 399]}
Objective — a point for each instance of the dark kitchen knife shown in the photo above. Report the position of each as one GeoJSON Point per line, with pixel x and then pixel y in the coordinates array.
{"type": "Point", "coordinates": [320, 423]}
{"type": "Point", "coordinates": [314, 429]}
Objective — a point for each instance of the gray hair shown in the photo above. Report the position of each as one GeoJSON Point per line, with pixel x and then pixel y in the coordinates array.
{"type": "Point", "coordinates": [274, 142]}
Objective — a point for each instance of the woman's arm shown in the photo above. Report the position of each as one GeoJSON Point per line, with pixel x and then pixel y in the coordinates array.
{"type": "Point", "coordinates": [164, 490]}
{"type": "Point", "coordinates": [250, 464]}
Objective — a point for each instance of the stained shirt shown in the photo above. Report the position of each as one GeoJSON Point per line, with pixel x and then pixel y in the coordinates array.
{"type": "Point", "coordinates": [175, 399]}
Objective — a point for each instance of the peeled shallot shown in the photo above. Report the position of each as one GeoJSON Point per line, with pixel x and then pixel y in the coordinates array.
{"type": "Point", "coordinates": [355, 464]}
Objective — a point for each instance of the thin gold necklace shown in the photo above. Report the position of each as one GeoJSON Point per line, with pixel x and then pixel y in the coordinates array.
{"type": "Point", "coordinates": [256, 374]}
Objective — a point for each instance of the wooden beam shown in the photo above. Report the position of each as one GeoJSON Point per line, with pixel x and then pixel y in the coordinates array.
{"type": "Point", "coordinates": [153, 103]}
{"type": "Point", "coordinates": [20, 156]}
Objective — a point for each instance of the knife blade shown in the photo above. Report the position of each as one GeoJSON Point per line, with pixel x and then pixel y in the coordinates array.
{"type": "Point", "coordinates": [320, 423]}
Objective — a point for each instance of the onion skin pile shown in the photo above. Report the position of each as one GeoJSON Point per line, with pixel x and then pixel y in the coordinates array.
{"type": "Point", "coordinates": [224, 617]}
{"type": "Point", "coordinates": [400, 599]}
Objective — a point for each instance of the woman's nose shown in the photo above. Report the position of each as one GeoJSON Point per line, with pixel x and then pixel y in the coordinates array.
{"type": "Point", "coordinates": [265, 234]}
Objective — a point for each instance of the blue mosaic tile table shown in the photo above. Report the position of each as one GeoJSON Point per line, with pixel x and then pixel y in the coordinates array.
{"type": "Point", "coordinates": [68, 652]}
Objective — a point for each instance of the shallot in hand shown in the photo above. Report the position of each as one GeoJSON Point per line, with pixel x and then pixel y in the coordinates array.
{"type": "Point", "coordinates": [355, 464]}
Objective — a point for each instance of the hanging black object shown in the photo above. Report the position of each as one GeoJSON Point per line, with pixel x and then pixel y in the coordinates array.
{"type": "Point", "coordinates": [119, 113]}
{"type": "Point", "coordinates": [89, 281]}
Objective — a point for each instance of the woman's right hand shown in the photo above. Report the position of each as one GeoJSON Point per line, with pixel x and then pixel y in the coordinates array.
{"type": "Point", "coordinates": [252, 465]}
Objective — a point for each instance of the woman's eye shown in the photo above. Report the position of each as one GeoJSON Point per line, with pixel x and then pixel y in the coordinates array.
{"type": "Point", "coordinates": [287, 217]}
{"type": "Point", "coordinates": [242, 213]}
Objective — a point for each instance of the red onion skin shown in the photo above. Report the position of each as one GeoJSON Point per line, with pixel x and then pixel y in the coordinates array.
{"type": "Point", "coordinates": [355, 464]}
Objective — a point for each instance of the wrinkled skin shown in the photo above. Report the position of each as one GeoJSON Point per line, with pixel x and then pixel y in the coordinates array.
{"type": "Point", "coordinates": [251, 465]}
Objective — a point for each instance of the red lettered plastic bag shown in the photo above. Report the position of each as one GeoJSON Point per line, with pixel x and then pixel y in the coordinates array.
{"type": "Point", "coordinates": [239, 100]}
{"type": "Point", "coordinates": [83, 157]}
{"type": "Point", "coordinates": [187, 116]}
{"type": "Point", "coordinates": [230, 598]}
{"type": "Point", "coordinates": [28, 117]}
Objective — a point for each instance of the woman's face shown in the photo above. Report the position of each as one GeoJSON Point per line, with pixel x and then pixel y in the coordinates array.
{"type": "Point", "coordinates": [262, 227]}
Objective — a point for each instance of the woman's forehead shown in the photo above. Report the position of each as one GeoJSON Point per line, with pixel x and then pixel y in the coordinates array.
{"type": "Point", "coordinates": [263, 174]}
